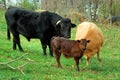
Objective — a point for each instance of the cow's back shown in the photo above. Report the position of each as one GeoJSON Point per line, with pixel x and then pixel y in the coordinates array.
{"type": "Point", "coordinates": [12, 13]}
{"type": "Point", "coordinates": [69, 48]}
{"type": "Point", "coordinates": [92, 32]}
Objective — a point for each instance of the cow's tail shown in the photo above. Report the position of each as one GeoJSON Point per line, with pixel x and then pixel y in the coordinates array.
{"type": "Point", "coordinates": [8, 34]}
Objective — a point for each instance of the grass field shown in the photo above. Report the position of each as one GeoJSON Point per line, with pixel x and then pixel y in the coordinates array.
{"type": "Point", "coordinates": [44, 67]}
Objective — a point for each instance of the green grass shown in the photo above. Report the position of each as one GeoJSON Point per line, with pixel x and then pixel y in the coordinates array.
{"type": "Point", "coordinates": [44, 67]}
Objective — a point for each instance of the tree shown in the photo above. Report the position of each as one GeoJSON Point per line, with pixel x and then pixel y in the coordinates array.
{"type": "Point", "coordinates": [96, 3]}
{"type": "Point", "coordinates": [4, 1]}
{"type": "Point", "coordinates": [110, 11]}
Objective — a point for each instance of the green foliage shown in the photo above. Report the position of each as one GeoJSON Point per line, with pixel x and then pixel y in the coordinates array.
{"type": "Point", "coordinates": [44, 67]}
{"type": "Point", "coordinates": [104, 9]}
{"type": "Point", "coordinates": [116, 9]}
{"type": "Point", "coordinates": [28, 5]}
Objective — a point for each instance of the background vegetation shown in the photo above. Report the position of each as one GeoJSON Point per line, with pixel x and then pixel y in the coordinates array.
{"type": "Point", "coordinates": [92, 10]}
{"type": "Point", "coordinates": [44, 67]}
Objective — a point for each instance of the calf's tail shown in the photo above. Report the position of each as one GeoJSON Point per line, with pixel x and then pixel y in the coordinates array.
{"type": "Point", "coordinates": [8, 34]}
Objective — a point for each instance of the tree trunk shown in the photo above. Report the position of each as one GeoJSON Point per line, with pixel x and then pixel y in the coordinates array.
{"type": "Point", "coordinates": [95, 10]}
{"type": "Point", "coordinates": [110, 11]}
{"type": "Point", "coordinates": [4, 4]}
{"type": "Point", "coordinates": [89, 12]}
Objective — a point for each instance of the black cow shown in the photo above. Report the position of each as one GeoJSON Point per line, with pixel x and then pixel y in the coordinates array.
{"type": "Point", "coordinates": [115, 18]}
{"type": "Point", "coordinates": [41, 26]}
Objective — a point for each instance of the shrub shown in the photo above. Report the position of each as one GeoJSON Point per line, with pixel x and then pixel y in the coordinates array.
{"type": "Point", "coordinates": [28, 5]}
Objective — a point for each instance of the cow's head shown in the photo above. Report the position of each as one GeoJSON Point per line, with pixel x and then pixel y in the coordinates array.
{"type": "Point", "coordinates": [64, 27]}
{"type": "Point", "coordinates": [83, 43]}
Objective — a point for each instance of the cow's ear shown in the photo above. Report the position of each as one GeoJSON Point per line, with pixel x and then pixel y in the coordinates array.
{"type": "Point", "coordinates": [88, 41]}
{"type": "Point", "coordinates": [73, 25]}
{"type": "Point", "coordinates": [78, 41]}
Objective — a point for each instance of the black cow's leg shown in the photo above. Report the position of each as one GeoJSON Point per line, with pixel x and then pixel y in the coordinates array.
{"type": "Point", "coordinates": [44, 46]}
{"type": "Point", "coordinates": [50, 50]}
{"type": "Point", "coordinates": [19, 45]}
{"type": "Point", "coordinates": [14, 44]}
{"type": "Point", "coordinates": [16, 40]}
{"type": "Point", "coordinates": [8, 34]}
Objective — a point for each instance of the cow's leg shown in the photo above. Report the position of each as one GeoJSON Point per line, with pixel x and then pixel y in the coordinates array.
{"type": "Point", "coordinates": [8, 34]}
{"type": "Point", "coordinates": [77, 63]}
{"type": "Point", "coordinates": [16, 40]}
{"type": "Point", "coordinates": [98, 57]}
{"type": "Point", "coordinates": [57, 56]}
{"type": "Point", "coordinates": [44, 46]}
{"type": "Point", "coordinates": [14, 43]}
{"type": "Point", "coordinates": [50, 50]}
{"type": "Point", "coordinates": [88, 61]}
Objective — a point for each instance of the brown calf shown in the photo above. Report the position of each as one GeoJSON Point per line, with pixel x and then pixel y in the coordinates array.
{"type": "Point", "coordinates": [69, 48]}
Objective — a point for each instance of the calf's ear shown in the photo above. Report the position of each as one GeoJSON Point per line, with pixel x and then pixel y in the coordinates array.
{"type": "Point", "coordinates": [78, 41]}
{"type": "Point", "coordinates": [88, 41]}
{"type": "Point", "coordinates": [73, 25]}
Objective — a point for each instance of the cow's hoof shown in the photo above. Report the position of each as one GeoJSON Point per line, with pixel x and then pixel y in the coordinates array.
{"type": "Point", "coordinates": [59, 66]}
{"type": "Point", "coordinates": [51, 55]}
{"type": "Point", "coordinates": [45, 54]}
{"type": "Point", "coordinates": [14, 48]}
{"type": "Point", "coordinates": [21, 50]}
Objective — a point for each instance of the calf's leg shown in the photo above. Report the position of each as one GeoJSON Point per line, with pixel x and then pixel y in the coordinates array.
{"type": "Point", "coordinates": [57, 56]}
{"type": "Point", "coordinates": [77, 63]}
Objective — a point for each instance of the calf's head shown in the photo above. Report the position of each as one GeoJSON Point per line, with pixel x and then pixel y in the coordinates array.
{"type": "Point", "coordinates": [83, 43]}
{"type": "Point", "coordinates": [64, 27]}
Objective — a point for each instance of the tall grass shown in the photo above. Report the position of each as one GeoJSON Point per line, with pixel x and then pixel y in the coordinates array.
{"type": "Point", "coordinates": [44, 67]}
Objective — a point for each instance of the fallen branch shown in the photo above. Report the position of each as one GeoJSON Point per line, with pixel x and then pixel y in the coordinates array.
{"type": "Point", "coordinates": [4, 63]}
{"type": "Point", "coordinates": [18, 67]}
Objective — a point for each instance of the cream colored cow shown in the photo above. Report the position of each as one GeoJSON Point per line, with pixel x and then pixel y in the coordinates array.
{"type": "Point", "coordinates": [90, 31]}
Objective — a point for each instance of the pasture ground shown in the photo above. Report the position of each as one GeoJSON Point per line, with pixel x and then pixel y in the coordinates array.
{"type": "Point", "coordinates": [44, 67]}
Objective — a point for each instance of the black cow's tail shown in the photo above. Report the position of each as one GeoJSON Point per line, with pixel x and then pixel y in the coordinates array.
{"type": "Point", "coordinates": [8, 34]}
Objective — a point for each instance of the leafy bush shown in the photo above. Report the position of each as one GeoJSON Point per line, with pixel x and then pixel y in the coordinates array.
{"type": "Point", "coordinates": [28, 5]}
